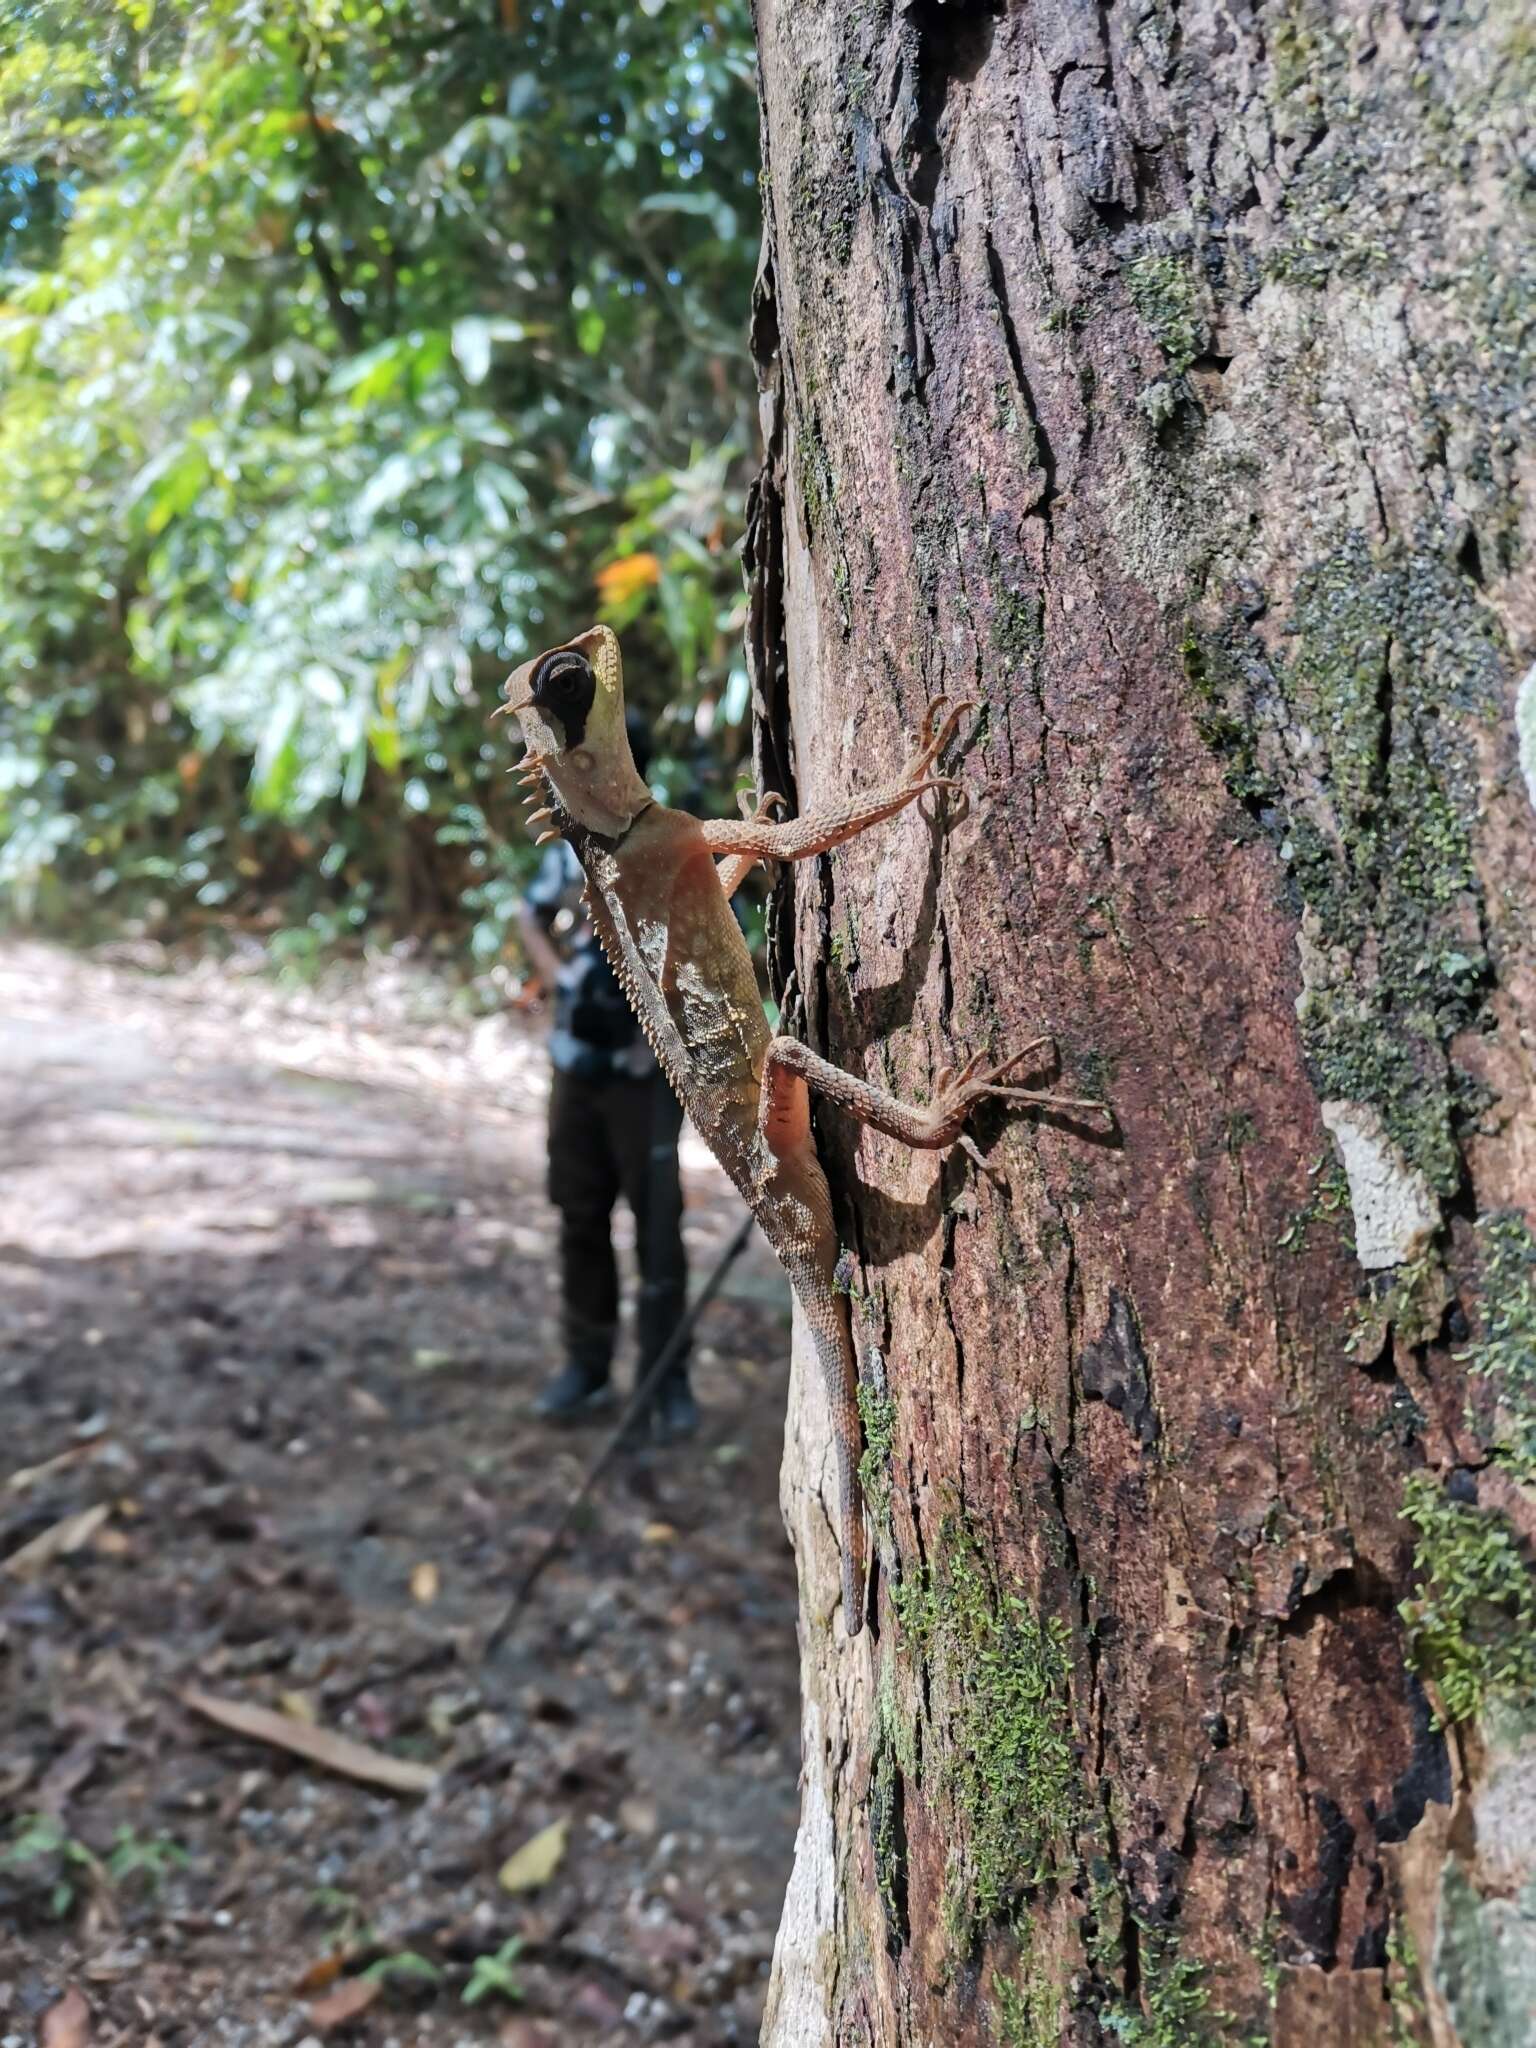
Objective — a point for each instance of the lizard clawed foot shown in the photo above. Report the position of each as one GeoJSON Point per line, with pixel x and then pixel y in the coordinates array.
{"type": "Point", "coordinates": [935, 735]}
{"type": "Point", "coordinates": [956, 1094]}
{"type": "Point", "coordinates": [767, 804]}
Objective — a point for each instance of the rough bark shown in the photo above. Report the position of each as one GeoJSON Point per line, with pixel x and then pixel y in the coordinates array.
{"type": "Point", "coordinates": [1154, 374]}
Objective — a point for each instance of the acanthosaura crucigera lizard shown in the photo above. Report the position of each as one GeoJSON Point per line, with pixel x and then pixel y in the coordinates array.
{"type": "Point", "coordinates": [661, 909]}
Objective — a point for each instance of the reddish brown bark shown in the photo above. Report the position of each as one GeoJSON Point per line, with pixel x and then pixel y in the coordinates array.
{"type": "Point", "coordinates": [1127, 369]}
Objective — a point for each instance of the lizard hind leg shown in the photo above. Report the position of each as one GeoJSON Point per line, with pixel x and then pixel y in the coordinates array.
{"type": "Point", "coordinates": [930, 1129]}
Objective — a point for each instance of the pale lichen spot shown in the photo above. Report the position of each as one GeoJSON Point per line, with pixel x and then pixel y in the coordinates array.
{"type": "Point", "coordinates": [1395, 1210]}
{"type": "Point", "coordinates": [1525, 730]}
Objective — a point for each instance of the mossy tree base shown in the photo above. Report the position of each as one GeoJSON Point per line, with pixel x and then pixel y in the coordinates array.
{"type": "Point", "coordinates": [1156, 376]}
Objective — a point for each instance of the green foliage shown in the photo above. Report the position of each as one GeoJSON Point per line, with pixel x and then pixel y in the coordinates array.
{"type": "Point", "coordinates": [493, 1974]}
{"type": "Point", "coordinates": [42, 1858]}
{"type": "Point", "coordinates": [404, 1966]}
{"type": "Point", "coordinates": [143, 1859]}
{"type": "Point", "coordinates": [1329, 1200]}
{"type": "Point", "coordinates": [1164, 293]}
{"type": "Point", "coordinates": [1472, 1622]}
{"type": "Point", "coordinates": [347, 354]}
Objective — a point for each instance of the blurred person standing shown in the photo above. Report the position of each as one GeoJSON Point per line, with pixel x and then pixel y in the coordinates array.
{"type": "Point", "coordinates": [613, 1129]}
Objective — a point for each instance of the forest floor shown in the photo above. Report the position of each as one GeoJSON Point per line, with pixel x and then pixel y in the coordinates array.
{"type": "Point", "coordinates": [276, 1288]}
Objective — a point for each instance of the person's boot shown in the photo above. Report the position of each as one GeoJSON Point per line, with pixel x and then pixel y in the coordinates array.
{"type": "Point", "coordinates": [674, 1411]}
{"type": "Point", "coordinates": [583, 1385]}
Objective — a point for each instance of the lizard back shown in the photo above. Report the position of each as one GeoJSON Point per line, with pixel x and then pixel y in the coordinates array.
{"type": "Point", "coordinates": [672, 940]}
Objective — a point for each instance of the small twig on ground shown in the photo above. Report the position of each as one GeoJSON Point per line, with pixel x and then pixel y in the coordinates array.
{"type": "Point", "coordinates": [644, 1388]}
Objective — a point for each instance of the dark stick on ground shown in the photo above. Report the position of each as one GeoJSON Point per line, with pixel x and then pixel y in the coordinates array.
{"type": "Point", "coordinates": [621, 1434]}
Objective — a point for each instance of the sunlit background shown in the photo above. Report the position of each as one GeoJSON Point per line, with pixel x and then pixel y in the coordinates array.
{"type": "Point", "coordinates": [348, 352]}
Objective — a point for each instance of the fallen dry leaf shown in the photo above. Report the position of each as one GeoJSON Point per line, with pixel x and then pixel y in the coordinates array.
{"type": "Point", "coordinates": [298, 1706]}
{"type": "Point", "coordinates": [322, 1973]}
{"type": "Point", "coordinates": [67, 2024]}
{"type": "Point", "coordinates": [58, 1541]}
{"type": "Point", "coordinates": [658, 1532]}
{"type": "Point", "coordinates": [537, 1860]}
{"type": "Point", "coordinates": [318, 1745]}
{"type": "Point", "coordinates": [351, 1996]}
{"type": "Point", "coordinates": [32, 1475]}
{"type": "Point", "coordinates": [424, 1584]}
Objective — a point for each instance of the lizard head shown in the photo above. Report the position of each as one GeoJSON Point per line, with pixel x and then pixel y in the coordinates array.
{"type": "Point", "coordinates": [570, 704]}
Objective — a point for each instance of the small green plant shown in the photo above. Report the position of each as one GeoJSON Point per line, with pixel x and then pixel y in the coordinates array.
{"type": "Point", "coordinates": [133, 1858]}
{"type": "Point", "coordinates": [42, 1856]}
{"type": "Point", "coordinates": [346, 1925]}
{"type": "Point", "coordinates": [1025, 2011]}
{"type": "Point", "coordinates": [493, 1974]}
{"type": "Point", "coordinates": [404, 1967]}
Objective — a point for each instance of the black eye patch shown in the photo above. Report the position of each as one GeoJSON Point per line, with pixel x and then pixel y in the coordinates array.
{"type": "Point", "coordinates": [564, 687]}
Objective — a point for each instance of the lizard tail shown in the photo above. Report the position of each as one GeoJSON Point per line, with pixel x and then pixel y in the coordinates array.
{"type": "Point", "coordinates": [826, 1312]}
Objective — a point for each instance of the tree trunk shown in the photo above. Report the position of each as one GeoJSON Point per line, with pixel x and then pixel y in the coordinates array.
{"type": "Point", "coordinates": [1152, 375]}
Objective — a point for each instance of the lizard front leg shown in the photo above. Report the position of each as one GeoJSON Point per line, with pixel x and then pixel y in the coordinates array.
{"type": "Point", "coordinates": [930, 1129]}
{"type": "Point", "coordinates": [734, 871]}
{"type": "Point", "coordinates": [817, 831]}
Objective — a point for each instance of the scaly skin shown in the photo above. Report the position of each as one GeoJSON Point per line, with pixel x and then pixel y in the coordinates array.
{"type": "Point", "coordinates": [660, 907]}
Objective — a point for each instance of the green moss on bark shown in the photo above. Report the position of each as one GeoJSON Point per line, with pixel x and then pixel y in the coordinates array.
{"type": "Point", "coordinates": [1026, 2011]}
{"type": "Point", "coordinates": [1175, 2001]}
{"type": "Point", "coordinates": [1504, 1354]}
{"type": "Point", "coordinates": [878, 1413]}
{"type": "Point", "coordinates": [1352, 756]}
{"type": "Point", "coordinates": [1472, 1623]}
{"type": "Point", "coordinates": [1005, 1755]}
{"type": "Point", "coordinates": [1164, 292]}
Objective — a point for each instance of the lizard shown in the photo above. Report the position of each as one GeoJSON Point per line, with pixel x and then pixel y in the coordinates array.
{"type": "Point", "coordinates": [658, 890]}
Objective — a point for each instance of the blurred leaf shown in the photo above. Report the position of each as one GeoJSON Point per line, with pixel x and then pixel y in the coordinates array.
{"type": "Point", "coordinates": [707, 205]}
{"type": "Point", "coordinates": [625, 579]}
{"type": "Point", "coordinates": [537, 1861]}
{"type": "Point", "coordinates": [320, 1745]}
{"type": "Point", "coordinates": [472, 348]}
{"type": "Point", "coordinates": [67, 2024]}
{"type": "Point", "coordinates": [352, 1996]}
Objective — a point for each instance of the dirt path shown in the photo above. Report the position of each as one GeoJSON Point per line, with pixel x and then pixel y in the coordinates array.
{"type": "Point", "coordinates": [274, 1294]}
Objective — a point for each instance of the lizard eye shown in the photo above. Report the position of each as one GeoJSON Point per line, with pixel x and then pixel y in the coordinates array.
{"type": "Point", "coordinates": [564, 685]}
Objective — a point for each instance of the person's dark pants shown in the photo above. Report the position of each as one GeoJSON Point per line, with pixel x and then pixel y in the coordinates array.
{"type": "Point", "coordinates": [609, 1138]}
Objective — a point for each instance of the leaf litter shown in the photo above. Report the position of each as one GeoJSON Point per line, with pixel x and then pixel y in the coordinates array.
{"type": "Point", "coordinates": [280, 1468]}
